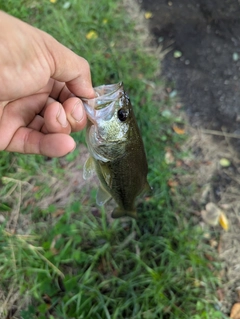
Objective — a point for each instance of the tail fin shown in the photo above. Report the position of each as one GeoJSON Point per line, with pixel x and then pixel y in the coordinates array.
{"type": "Point", "coordinates": [118, 212]}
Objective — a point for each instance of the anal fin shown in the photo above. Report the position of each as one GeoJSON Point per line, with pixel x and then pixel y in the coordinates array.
{"type": "Point", "coordinates": [102, 196]}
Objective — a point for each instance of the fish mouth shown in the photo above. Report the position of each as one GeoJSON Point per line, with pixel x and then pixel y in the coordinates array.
{"type": "Point", "coordinates": [108, 92]}
{"type": "Point", "coordinates": [103, 105]}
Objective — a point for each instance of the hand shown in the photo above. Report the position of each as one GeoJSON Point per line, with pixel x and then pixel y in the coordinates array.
{"type": "Point", "coordinates": [40, 80]}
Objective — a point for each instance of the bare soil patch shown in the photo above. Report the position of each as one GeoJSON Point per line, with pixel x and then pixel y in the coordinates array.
{"type": "Point", "coordinates": [205, 72]}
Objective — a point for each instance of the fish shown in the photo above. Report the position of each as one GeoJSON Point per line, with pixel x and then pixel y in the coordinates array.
{"type": "Point", "coordinates": [116, 149]}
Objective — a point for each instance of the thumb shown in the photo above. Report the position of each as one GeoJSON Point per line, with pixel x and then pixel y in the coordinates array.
{"type": "Point", "coordinates": [68, 67]}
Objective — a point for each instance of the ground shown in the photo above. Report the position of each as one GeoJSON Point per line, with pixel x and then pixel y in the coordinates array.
{"type": "Point", "coordinates": [207, 33]}
{"type": "Point", "coordinates": [201, 41]}
{"type": "Point", "coordinates": [43, 193]}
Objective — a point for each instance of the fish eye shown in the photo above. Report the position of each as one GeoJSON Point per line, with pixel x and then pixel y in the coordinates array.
{"type": "Point", "coordinates": [122, 115]}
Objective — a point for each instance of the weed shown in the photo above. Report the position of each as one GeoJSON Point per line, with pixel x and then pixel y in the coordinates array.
{"type": "Point", "coordinates": [61, 255]}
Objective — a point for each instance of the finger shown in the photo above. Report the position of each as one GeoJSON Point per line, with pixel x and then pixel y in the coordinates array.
{"type": "Point", "coordinates": [55, 118]}
{"type": "Point", "coordinates": [75, 113]}
{"type": "Point", "coordinates": [60, 92]}
{"type": "Point", "coordinates": [17, 114]}
{"type": "Point", "coordinates": [29, 141]}
{"type": "Point", "coordinates": [66, 66]}
{"type": "Point", "coordinates": [37, 123]}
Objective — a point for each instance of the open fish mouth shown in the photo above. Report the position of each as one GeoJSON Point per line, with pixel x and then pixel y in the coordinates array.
{"type": "Point", "coordinates": [102, 107]}
{"type": "Point", "coordinates": [108, 92]}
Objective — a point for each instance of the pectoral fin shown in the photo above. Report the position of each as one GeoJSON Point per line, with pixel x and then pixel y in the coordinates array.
{"type": "Point", "coordinates": [102, 196]}
{"type": "Point", "coordinates": [118, 212]}
{"type": "Point", "coordinates": [106, 174]}
{"type": "Point", "coordinates": [88, 168]}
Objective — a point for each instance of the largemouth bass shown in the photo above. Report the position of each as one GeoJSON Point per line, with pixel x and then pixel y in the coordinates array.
{"type": "Point", "coordinates": [116, 149]}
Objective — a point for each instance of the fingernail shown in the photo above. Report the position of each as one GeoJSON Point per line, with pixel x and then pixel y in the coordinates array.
{"type": "Point", "coordinates": [77, 112]}
{"type": "Point", "coordinates": [61, 116]}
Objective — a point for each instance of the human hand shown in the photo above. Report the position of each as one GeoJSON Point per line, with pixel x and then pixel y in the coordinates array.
{"type": "Point", "coordinates": [40, 80]}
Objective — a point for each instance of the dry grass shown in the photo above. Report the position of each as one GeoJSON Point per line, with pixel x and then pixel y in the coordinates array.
{"type": "Point", "coordinates": [220, 185]}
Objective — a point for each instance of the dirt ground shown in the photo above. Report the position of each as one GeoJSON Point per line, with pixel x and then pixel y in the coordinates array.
{"type": "Point", "coordinates": [201, 39]}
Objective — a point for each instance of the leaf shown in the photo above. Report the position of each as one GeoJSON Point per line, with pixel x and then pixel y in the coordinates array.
{"type": "Point", "coordinates": [148, 15]}
{"type": "Point", "coordinates": [235, 311]}
{"type": "Point", "coordinates": [220, 294]}
{"type": "Point", "coordinates": [169, 158]}
{"type": "Point", "coordinates": [178, 129]}
{"type": "Point", "coordinates": [4, 207]}
{"type": "Point", "coordinates": [214, 215]}
{"type": "Point", "coordinates": [172, 183]}
{"type": "Point", "coordinates": [173, 94]}
{"type": "Point", "coordinates": [211, 214]}
{"type": "Point", "coordinates": [91, 35]}
{"type": "Point", "coordinates": [224, 162]}
{"type": "Point", "coordinates": [223, 221]}
{"type": "Point", "coordinates": [166, 113]}
{"type": "Point", "coordinates": [235, 56]}
{"type": "Point", "coordinates": [209, 219]}
{"type": "Point", "coordinates": [177, 54]}
{"type": "Point", "coordinates": [58, 212]}
{"type": "Point", "coordinates": [66, 5]}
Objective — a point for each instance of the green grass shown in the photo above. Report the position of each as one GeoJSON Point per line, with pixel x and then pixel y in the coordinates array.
{"type": "Point", "coordinates": [64, 261]}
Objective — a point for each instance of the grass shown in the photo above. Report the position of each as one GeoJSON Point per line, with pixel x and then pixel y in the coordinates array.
{"type": "Point", "coordinates": [60, 257]}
